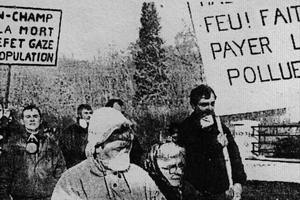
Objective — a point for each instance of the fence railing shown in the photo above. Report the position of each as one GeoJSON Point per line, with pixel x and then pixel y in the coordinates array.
{"type": "Point", "coordinates": [268, 135]}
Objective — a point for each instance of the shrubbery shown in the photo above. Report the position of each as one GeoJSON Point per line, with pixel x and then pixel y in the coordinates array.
{"type": "Point", "coordinates": [59, 90]}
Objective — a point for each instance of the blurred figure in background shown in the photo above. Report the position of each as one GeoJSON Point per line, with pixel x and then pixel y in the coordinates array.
{"type": "Point", "coordinates": [165, 164]}
{"type": "Point", "coordinates": [33, 162]}
{"type": "Point", "coordinates": [8, 125]}
{"type": "Point", "coordinates": [107, 173]}
{"type": "Point", "coordinates": [74, 138]}
{"type": "Point", "coordinates": [137, 151]}
{"type": "Point", "coordinates": [172, 132]}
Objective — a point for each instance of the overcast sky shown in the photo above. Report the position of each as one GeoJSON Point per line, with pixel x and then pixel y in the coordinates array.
{"type": "Point", "coordinates": [89, 26]}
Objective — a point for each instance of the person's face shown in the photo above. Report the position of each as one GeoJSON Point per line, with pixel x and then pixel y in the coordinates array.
{"type": "Point", "coordinates": [114, 153]}
{"type": "Point", "coordinates": [206, 106]}
{"type": "Point", "coordinates": [172, 169]}
{"type": "Point", "coordinates": [86, 114]}
{"type": "Point", "coordinates": [31, 119]}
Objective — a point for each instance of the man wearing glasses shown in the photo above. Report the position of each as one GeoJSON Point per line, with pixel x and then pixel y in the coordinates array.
{"type": "Point", "coordinates": [107, 172]}
{"type": "Point", "coordinates": [204, 144]}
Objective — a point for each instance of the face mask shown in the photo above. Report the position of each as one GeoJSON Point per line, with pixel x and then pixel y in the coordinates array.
{"type": "Point", "coordinates": [207, 121]}
{"type": "Point", "coordinates": [32, 144]}
{"type": "Point", "coordinates": [83, 123]}
{"type": "Point", "coordinates": [120, 162]}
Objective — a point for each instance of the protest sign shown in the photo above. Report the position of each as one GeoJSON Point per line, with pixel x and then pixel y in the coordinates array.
{"type": "Point", "coordinates": [250, 52]}
{"type": "Point", "coordinates": [29, 36]}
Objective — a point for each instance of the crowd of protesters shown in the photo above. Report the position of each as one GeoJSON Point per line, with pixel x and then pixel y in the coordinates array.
{"type": "Point", "coordinates": [100, 157]}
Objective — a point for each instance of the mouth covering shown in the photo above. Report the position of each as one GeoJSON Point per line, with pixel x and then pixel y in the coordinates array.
{"type": "Point", "coordinates": [103, 122]}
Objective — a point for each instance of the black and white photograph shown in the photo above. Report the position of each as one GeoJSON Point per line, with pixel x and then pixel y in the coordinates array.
{"type": "Point", "coordinates": [150, 100]}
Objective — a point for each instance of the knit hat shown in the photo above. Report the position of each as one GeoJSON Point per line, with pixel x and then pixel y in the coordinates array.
{"type": "Point", "coordinates": [102, 124]}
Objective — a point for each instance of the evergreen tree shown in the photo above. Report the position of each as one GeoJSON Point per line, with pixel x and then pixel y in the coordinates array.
{"type": "Point", "coordinates": [149, 56]}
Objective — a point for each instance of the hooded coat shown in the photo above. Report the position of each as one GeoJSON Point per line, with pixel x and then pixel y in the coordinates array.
{"type": "Point", "coordinates": [90, 180]}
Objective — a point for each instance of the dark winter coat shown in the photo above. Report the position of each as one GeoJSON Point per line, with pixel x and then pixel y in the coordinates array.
{"type": "Point", "coordinates": [30, 176]}
{"type": "Point", "coordinates": [205, 163]}
{"type": "Point", "coordinates": [8, 128]}
{"type": "Point", "coordinates": [185, 192]}
{"type": "Point", "coordinates": [72, 143]}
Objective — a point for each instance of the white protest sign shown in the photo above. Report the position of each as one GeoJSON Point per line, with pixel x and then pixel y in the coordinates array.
{"type": "Point", "coordinates": [29, 36]}
{"type": "Point", "coordinates": [250, 52]}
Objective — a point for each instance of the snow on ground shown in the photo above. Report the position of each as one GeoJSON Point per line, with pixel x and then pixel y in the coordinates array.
{"type": "Point", "coordinates": [273, 170]}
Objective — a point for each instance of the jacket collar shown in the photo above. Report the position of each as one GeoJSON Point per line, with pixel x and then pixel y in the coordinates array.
{"type": "Point", "coordinates": [98, 169]}
{"type": "Point", "coordinates": [39, 135]}
{"type": "Point", "coordinates": [95, 167]}
{"type": "Point", "coordinates": [195, 119]}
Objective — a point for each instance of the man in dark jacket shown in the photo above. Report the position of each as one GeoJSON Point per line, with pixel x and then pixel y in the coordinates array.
{"type": "Point", "coordinates": [74, 138]}
{"type": "Point", "coordinates": [205, 161]}
{"type": "Point", "coordinates": [33, 162]}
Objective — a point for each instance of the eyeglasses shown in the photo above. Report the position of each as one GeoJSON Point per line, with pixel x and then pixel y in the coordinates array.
{"type": "Point", "coordinates": [173, 168]}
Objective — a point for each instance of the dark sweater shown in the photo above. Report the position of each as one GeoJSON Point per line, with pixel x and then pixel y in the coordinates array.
{"type": "Point", "coordinates": [72, 143]}
{"type": "Point", "coordinates": [205, 163]}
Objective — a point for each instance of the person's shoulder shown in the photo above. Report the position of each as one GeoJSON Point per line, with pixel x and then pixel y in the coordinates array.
{"type": "Point", "coordinates": [138, 175]}
{"type": "Point", "coordinates": [134, 167]}
{"type": "Point", "coordinates": [16, 140]}
{"type": "Point", "coordinates": [190, 192]}
{"type": "Point", "coordinates": [76, 171]}
{"type": "Point", "coordinates": [137, 171]}
{"type": "Point", "coordinates": [15, 145]}
{"type": "Point", "coordinates": [70, 130]}
{"type": "Point", "coordinates": [188, 186]}
{"type": "Point", "coordinates": [71, 127]}
{"type": "Point", "coordinates": [187, 121]}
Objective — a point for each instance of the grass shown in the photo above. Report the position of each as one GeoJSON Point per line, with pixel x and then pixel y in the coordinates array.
{"type": "Point", "coordinates": [263, 190]}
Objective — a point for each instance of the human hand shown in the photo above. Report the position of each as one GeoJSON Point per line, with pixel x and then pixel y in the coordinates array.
{"type": "Point", "coordinates": [222, 139]}
{"type": "Point", "coordinates": [237, 190]}
{"type": "Point", "coordinates": [234, 192]}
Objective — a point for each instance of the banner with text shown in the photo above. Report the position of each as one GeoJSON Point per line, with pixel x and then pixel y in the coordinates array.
{"type": "Point", "coordinates": [29, 36]}
{"type": "Point", "coordinates": [250, 52]}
